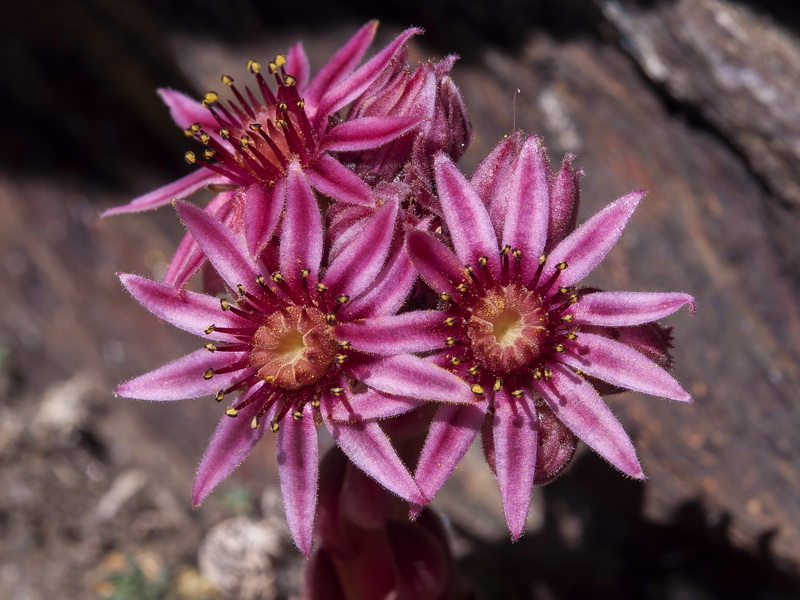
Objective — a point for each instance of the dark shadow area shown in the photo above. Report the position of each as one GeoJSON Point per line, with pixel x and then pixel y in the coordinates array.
{"type": "Point", "coordinates": [79, 76]}
{"type": "Point", "coordinates": [597, 544]}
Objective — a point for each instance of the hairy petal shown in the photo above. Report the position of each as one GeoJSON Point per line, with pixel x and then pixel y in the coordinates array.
{"type": "Point", "coordinates": [367, 132]}
{"type": "Point", "coordinates": [180, 188]}
{"type": "Point", "coordinates": [371, 404]}
{"type": "Point", "coordinates": [183, 378]}
{"type": "Point", "coordinates": [417, 331]}
{"type": "Point", "coordinates": [576, 404]}
{"type": "Point", "coordinates": [368, 447]}
{"type": "Point", "coordinates": [341, 64]}
{"type": "Point", "coordinates": [263, 208]}
{"type": "Point", "coordinates": [298, 468]}
{"type": "Point", "coordinates": [565, 195]}
{"type": "Point", "coordinates": [229, 446]}
{"type": "Point", "coordinates": [389, 290]}
{"type": "Point", "coordinates": [301, 237]}
{"type": "Point", "coordinates": [332, 178]}
{"type": "Point", "coordinates": [587, 246]}
{"type": "Point", "coordinates": [619, 309]}
{"type": "Point", "coordinates": [621, 365]}
{"type": "Point", "coordinates": [225, 250]}
{"type": "Point", "coordinates": [515, 441]}
{"type": "Point", "coordinates": [450, 435]}
{"type": "Point", "coordinates": [185, 310]}
{"type": "Point", "coordinates": [186, 111]}
{"type": "Point", "coordinates": [436, 263]}
{"type": "Point", "coordinates": [358, 265]}
{"type": "Point", "coordinates": [410, 376]}
{"type": "Point", "coordinates": [297, 65]}
{"type": "Point", "coordinates": [493, 177]}
{"type": "Point", "coordinates": [470, 228]}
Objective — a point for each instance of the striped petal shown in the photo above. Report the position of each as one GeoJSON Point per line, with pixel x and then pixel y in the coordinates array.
{"type": "Point", "coordinates": [436, 263]}
{"type": "Point", "coordinates": [332, 178]}
{"type": "Point", "coordinates": [576, 404]}
{"type": "Point", "coordinates": [367, 132]}
{"type": "Point", "coordinates": [187, 111]}
{"type": "Point", "coordinates": [619, 364]}
{"type": "Point", "coordinates": [620, 309]}
{"type": "Point", "coordinates": [411, 332]}
{"type": "Point", "coordinates": [297, 65]}
{"type": "Point", "coordinates": [301, 236]}
{"type": "Point", "coordinates": [184, 378]}
{"type": "Point", "coordinates": [263, 206]}
{"type": "Point", "coordinates": [180, 188]}
{"type": "Point", "coordinates": [371, 404]}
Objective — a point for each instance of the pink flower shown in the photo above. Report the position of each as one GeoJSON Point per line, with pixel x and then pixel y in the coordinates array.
{"type": "Point", "coordinates": [251, 139]}
{"type": "Point", "coordinates": [290, 343]}
{"type": "Point", "coordinates": [521, 333]}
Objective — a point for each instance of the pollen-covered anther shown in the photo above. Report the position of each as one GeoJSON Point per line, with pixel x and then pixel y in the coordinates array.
{"type": "Point", "coordinates": [568, 318]}
{"type": "Point", "coordinates": [254, 126]}
{"type": "Point", "coordinates": [542, 259]}
{"type": "Point", "coordinates": [572, 336]}
{"type": "Point", "coordinates": [330, 318]}
{"type": "Point", "coordinates": [190, 157]}
{"type": "Point", "coordinates": [280, 60]}
{"type": "Point", "coordinates": [537, 374]}
{"type": "Point", "coordinates": [282, 106]}
{"type": "Point", "coordinates": [505, 250]}
{"type": "Point", "coordinates": [321, 288]}
{"type": "Point", "coordinates": [272, 68]}
{"type": "Point", "coordinates": [220, 396]}
{"type": "Point", "coordinates": [473, 370]}
{"type": "Point", "coordinates": [274, 427]}
{"type": "Point", "coordinates": [277, 277]}
{"type": "Point", "coordinates": [573, 299]}
{"type": "Point", "coordinates": [342, 299]}
{"type": "Point", "coordinates": [451, 341]}
{"type": "Point", "coordinates": [210, 329]}
{"type": "Point", "coordinates": [498, 384]}
{"type": "Point", "coordinates": [224, 304]}
{"type": "Point", "coordinates": [344, 344]}
{"type": "Point", "coordinates": [210, 347]}
{"type": "Point", "coordinates": [301, 104]}
{"type": "Point", "coordinates": [227, 79]}
{"type": "Point", "coordinates": [224, 133]}
{"type": "Point", "coordinates": [315, 402]}
{"type": "Point", "coordinates": [462, 288]}
{"type": "Point", "coordinates": [449, 321]}
{"type": "Point", "coordinates": [204, 138]}
{"type": "Point", "coordinates": [558, 347]}
{"type": "Point", "coordinates": [253, 66]}
{"type": "Point", "coordinates": [210, 99]}
{"type": "Point", "coordinates": [209, 153]}
{"type": "Point", "coordinates": [254, 423]}
{"type": "Point", "coordinates": [304, 273]}
{"type": "Point", "coordinates": [245, 141]}
{"type": "Point", "coordinates": [289, 80]}
{"type": "Point", "coordinates": [518, 393]}
{"type": "Point", "coordinates": [477, 389]}
{"type": "Point", "coordinates": [232, 412]}
{"type": "Point", "coordinates": [195, 127]}
{"type": "Point", "coordinates": [261, 281]}
{"type": "Point", "coordinates": [340, 359]}
{"type": "Point", "coordinates": [297, 415]}
{"type": "Point", "coordinates": [337, 391]}
{"type": "Point", "coordinates": [548, 374]}
{"type": "Point", "coordinates": [561, 266]}
{"type": "Point", "coordinates": [483, 261]}
{"type": "Point", "coordinates": [241, 290]}
{"type": "Point", "coordinates": [455, 361]}
{"type": "Point", "coordinates": [516, 253]}
{"type": "Point", "coordinates": [445, 296]}
{"type": "Point", "coordinates": [208, 374]}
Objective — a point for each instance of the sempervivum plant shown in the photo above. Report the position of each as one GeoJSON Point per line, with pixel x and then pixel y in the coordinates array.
{"type": "Point", "coordinates": [522, 334]}
{"type": "Point", "coordinates": [281, 347]}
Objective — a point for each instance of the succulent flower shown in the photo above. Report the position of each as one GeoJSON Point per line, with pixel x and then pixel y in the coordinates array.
{"type": "Point", "coordinates": [250, 140]}
{"type": "Point", "coordinates": [521, 334]}
{"type": "Point", "coordinates": [289, 343]}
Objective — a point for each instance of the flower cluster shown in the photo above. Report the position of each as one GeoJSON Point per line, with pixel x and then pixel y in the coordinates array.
{"type": "Point", "coordinates": [361, 276]}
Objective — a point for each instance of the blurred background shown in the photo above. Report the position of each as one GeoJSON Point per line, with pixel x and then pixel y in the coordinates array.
{"type": "Point", "coordinates": [695, 100]}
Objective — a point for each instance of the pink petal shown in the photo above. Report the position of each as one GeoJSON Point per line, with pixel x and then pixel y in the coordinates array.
{"type": "Point", "coordinates": [367, 132]}
{"type": "Point", "coordinates": [185, 310]}
{"type": "Point", "coordinates": [410, 376]}
{"type": "Point", "coordinates": [450, 436]}
{"type": "Point", "coordinates": [565, 195]}
{"type": "Point", "coordinates": [368, 447]}
{"type": "Point", "coordinates": [576, 404]}
{"type": "Point", "coordinates": [187, 111]}
{"type": "Point", "coordinates": [225, 250]}
{"type": "Point", "coordinates": [621, 365]}
{"type": "Point", "coordinates": [389, 290]}
{"type": "Point", "coordinates": [297, 66]}
{"type": "Point", "coordinates": [527, 216]}
{"type": "Point", "coordinates": [332, 178]}
{"type": "Point", "coordinates": [515, 433]}
{"type": "Point", "coordinates": [358, 265]}
{"type": "Point", "coordinates": [183, 378]}
{"type": "Point", "coordinates": [263, 208]}
{"type": "Point", "coordinates": [301, 236]}
{"type": "Point", "coordinates": [185, 186]}
{"type": "Point", "coordinates": [188, 257]}
{"type": "Point", "coordinates": [411, 332]}
{"type": "Point", "coordinates": [435, 262]}
{"type": "Point", "coordinates": [587, 246]}
{"type": "Point", "coordinates": [298, 468]}
{"type": "Point", "coordinates": [370, 405]}
{"type": "Point", "coordinates": [229, 446]}
{"type": "Point", "coordinates": [346, 91]}
{"type": "Point", "coordinates": [470, 228]}
{"type": "Point", "coordinates": [341, 64]}
{"type": "Point", "coordinates": [619, 309]}
{"type": "Point", "coordinates": [493, 177]}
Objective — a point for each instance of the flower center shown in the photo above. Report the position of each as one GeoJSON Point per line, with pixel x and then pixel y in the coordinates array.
{"type": "Point", "coordinates": [508, 328]}
{"type": "Point", "coordinates": [293, 348]}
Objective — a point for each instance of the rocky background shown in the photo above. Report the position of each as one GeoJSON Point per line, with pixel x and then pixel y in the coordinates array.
{"type": "Point", "coordinates": [695, 100]}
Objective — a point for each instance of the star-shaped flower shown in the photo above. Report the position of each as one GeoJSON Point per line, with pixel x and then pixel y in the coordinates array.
{"type": "Point", "coordinates": [289, 343]}
{"type": "Point", "coordinates": [521, 333]}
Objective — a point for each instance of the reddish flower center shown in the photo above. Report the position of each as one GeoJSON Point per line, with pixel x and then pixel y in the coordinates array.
{"type": "Point", "coordinates": [508, 328]}
{"type": "Point", "coordinates": [294, 348]}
